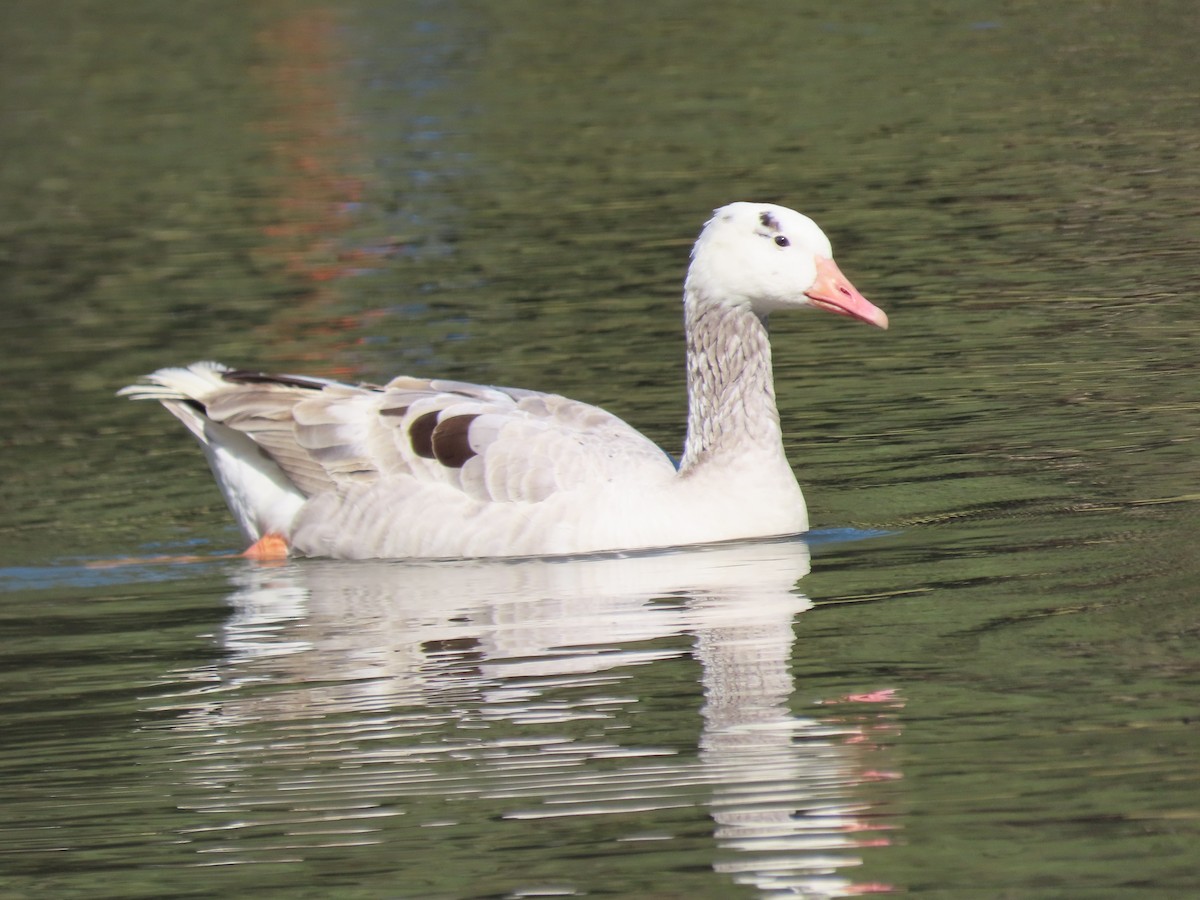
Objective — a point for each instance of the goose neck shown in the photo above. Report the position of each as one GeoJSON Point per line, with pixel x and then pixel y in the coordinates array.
{"type": "Point", "coordinates": [731, 390]}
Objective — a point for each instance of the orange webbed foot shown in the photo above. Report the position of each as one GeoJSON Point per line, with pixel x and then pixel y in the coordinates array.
{"type": "Point", "coordinates": [268, 548]}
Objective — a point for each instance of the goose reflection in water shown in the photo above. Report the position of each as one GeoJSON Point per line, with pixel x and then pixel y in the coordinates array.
{"type": "Point", "coordinates": [353, 693]}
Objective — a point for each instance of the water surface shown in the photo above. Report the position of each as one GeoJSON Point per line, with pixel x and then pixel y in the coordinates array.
{"type": "Point", "coordinates": [979, 673]}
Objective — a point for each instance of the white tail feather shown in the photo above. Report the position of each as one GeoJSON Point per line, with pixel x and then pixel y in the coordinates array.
{"type": "Point", "coordinates": [257, 492]}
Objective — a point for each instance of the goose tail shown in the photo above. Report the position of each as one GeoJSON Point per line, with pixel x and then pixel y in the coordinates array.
{"type": "Point", "coordinates": [263, 500]}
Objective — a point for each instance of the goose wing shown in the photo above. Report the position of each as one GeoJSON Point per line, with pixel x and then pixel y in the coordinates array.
{"type": "Point", "coordinates": [493, 444]}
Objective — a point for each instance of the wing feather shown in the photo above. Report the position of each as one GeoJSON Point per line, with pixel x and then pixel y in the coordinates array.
{"type": "Point", "coordinates": [491, 444]}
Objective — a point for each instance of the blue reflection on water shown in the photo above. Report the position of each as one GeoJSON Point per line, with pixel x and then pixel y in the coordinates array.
{"type": "Point", "coordinates": [822, 537]}
{"type": "Point", "coordinates": [162, 563]}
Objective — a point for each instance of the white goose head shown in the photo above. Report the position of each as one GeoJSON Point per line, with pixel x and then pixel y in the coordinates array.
{"type": "Point", "coordinates": [767, 257]}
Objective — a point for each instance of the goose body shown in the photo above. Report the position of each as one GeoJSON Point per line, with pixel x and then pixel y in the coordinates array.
{"type": "Point", "coordinates": [421, 468]}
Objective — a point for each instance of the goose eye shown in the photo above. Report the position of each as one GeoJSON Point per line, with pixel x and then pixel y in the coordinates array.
{"type": "Point", "coordinates": [781, 241]}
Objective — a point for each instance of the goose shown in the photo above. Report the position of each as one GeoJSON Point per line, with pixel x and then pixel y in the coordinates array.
{"type": "Point", "coordinates": [427, 468]}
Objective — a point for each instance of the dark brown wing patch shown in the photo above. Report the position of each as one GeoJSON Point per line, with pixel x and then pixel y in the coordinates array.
{"type": "Point", "coordinates": [420, 435]}
{"type": "Point", "coordinates": [447, 441]}
{"type": "Point", "coordinates": [243, 376]}
{"type": "Point", "coordinates": [451, 444]}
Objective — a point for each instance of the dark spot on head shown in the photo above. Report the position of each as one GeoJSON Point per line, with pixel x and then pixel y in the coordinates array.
{"type": "Point", "coordinates": [396, 411]}
{"type": "Point", "coordinates": [451, 443]}
{"type": "Point", "coordinates": [241, 376]}
{"type": "Point", "coordinates": [420, 434]}
{"type": "Point", "coordinates": [768, 220]}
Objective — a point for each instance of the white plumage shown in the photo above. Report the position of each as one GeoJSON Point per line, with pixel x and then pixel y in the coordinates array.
{"type": "Point", "coordinates": [423, 468]}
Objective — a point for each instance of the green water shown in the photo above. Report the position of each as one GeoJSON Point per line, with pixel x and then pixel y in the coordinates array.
{"type": "Point", "coordinates": [979, 677]}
